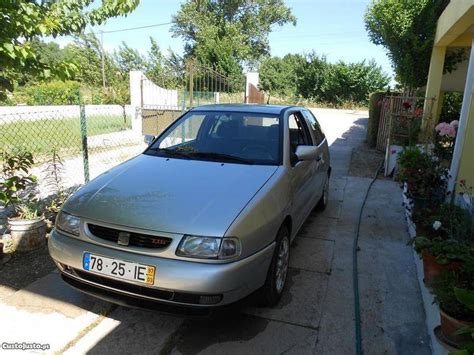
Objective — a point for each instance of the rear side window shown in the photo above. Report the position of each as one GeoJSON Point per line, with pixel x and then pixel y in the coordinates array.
{"type": "Point", "coordinates": [315, 127]}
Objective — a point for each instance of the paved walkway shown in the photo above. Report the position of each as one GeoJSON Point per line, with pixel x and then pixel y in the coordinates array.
{"type": "Point", "coordinates": [316, 313]}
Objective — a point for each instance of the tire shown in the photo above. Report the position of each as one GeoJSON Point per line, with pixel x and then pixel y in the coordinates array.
{"type": "Point", "coordinates": [278, 271]}
{"type": "Point", "coordinates": [323, 201]}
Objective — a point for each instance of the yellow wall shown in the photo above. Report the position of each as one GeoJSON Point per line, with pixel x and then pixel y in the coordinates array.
{"type": "Point", "coordinates": [466, 164]}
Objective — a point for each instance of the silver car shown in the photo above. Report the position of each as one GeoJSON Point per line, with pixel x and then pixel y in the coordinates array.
{"type": "Point", "coordinates": [204, 217]}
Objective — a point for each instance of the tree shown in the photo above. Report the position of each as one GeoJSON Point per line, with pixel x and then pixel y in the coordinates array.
{"type": "Point", "coordinates": [128, 59]}
{"type": "Point", "coordinates": [280, 76]}
{"type": "Point", "coordinates": [24, 20]}
{"type": "Point", "coordinates": [227, 34]}
{"type": "Point", "coordinates": [86, 55]}
{"type": "Point", "coordinates": [313, 77]}
{"type": "Point", "coordinates": [407, 29]}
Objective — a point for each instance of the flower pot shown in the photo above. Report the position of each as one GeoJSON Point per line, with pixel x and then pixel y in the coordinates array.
{"type": "Point", "coordinates": [27, 234]}
{"type": "Point", "coordinates": [450, 325]}
{"type": "Point", "coordinates": [432, 269]}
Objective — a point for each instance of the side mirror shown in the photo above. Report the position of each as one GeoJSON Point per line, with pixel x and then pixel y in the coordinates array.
{"type": "Point", "coordinates": [306, 152]}
{"type": "Point", "coordinates": [148, 139]}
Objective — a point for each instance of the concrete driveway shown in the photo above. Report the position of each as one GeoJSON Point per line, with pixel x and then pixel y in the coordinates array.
{"type": "Point", "coordinates": [316, 313]}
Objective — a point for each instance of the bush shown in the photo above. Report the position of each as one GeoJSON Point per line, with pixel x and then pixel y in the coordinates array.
{"type": "Point", "coordinates": [375, 109]}
{"type": "Point", "coordinates": [50, 93]}
{"type": "Point", "coordinates": [454, 221]}
{"type": "Point", "coordinates": [451, 109]}
{"type": "Point", "coordinates": [425, 178]}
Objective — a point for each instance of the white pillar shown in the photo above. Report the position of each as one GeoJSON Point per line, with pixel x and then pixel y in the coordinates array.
{"type": "Point", "coordinates": [250, 79]}
{"type": "Point", "coordinates": [136, 96]}
{"type": "Point", "coordinates": [465, 109]}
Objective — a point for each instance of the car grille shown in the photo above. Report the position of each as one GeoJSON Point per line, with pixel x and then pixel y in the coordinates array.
{"type": "Point", "coordinates": [165, 295]}
{"type": "Point", "coordinates": [139, 290]}
{"type": "Point", "coordinates": [136, 239]}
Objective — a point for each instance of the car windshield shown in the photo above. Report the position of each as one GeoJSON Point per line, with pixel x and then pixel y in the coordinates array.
{"type": "Point", "coordinates": [234, 137]}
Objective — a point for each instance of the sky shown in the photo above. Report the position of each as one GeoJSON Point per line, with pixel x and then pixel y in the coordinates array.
{"type": "Point", "coordinates": [334, 28]}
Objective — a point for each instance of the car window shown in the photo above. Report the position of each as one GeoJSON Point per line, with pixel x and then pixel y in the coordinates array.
{"type": "Point", "coordinates": [315, 127]}
{"type": "Point", "coordinates": [222, 136]}
{"type": "Point", "coordinates": [299, 134]}
{"type": "Point", "coordinates": [186, 132]}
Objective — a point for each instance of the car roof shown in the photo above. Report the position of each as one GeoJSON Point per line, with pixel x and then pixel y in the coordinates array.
{"type": "Point", "coordinates": [270, 109]}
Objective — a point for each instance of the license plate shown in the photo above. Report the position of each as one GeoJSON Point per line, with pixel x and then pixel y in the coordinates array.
{"type": "Point", "coordinates": [119, 268]}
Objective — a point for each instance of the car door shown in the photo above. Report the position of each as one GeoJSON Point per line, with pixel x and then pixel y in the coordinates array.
{"type": "Point", "coordinates": [302, 173]}
{"type": "Point", "coordinates": [322, 163]}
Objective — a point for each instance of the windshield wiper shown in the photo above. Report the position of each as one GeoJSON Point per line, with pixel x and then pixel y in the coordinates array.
{"type": "Point", "coordinates": [220, 157]}
{"type": "Point", "coordinates": [170, 152]}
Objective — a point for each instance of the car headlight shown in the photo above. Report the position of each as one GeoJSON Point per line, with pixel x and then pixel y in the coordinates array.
{"type": "Point", "coordinates": [208, 247]}
{"type": "Point", "coordinates": [68, 223]}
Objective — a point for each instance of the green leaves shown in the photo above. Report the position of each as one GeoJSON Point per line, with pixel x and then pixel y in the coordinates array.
{"type": "Point", "coordinates": [228, 34]}
{"type": "Point", "coordinates": [466, 297]}
{"type": "Point", "coordinates": [27, 20]}
{"type": "Point", "coordinates": [313, 77]}
{"type": "Point", "coordinates": [16, 181]}
{"type": "Point", "coordinates": [406, 29]}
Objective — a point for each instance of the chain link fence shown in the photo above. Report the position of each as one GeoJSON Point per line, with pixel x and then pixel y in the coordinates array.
{"type": "Point", "coordinates": [83, 140]}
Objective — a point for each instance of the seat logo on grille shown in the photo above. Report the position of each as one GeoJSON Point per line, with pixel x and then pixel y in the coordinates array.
{"type": "Point", "coordinates": [123, 238]}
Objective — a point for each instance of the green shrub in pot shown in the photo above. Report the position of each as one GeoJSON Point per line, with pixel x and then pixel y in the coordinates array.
{"type": "Point", "coordinates": [444, 250]}
{"type": "Point", "coordinates": [18, 189]}
{"type": "Point", "coordinates": [456, 315]}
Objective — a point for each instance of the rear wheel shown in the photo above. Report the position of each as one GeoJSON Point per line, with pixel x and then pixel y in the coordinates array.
{"type": "Point", "coordinates": [278, 271]}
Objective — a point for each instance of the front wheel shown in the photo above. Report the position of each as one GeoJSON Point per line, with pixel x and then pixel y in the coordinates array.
{"type": "Point", "coordinates": [278, 271]}
{"type": "Point", "coordinates": [323, 202]}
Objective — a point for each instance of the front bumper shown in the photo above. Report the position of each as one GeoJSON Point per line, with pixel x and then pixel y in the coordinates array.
{"type": "Point", "coordinates": [177, 282]}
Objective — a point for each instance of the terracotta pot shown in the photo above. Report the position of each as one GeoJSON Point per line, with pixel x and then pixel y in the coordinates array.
{"type": "Point", "coordinates": [450, 325]}
{"type": "Point", "coordinates": [27, 234]}
{"type": "Point", "coordinates": [432, 269]}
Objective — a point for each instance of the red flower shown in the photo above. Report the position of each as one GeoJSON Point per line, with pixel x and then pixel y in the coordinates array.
{"type": "Point", "coordinates": [406, 105]}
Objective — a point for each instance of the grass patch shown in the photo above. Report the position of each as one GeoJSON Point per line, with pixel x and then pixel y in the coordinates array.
{"type": "Point", "coordinates": [40, 137]}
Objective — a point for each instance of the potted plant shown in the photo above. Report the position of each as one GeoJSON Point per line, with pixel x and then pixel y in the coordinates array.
{"type": "Point", "coordinates": [18, 194]}
{"type": "Point", "coordinates": [441, 254]}
{"type": "Point", "coordinates": [455, 316]}
{"type": "Point", "coordinates": [447, 239]}
{"type": "Point", "coordinates": [466, 297]}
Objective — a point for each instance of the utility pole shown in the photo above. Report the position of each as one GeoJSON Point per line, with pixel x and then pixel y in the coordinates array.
{"type": "Point", "coordinates": [102, 57]}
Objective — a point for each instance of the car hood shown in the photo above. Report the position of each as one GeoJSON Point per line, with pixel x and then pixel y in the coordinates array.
{"type": "Point", "coordinates": [170, 195]}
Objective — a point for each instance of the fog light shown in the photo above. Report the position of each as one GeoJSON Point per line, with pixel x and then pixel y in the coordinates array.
{"type": "Point", "coordinates": [213, 299]}
{"type": "Point", "coordinates": [63, 267]}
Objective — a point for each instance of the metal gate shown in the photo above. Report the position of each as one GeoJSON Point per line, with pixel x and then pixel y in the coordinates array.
{"type": "Point", "coordinates": [165, 99]}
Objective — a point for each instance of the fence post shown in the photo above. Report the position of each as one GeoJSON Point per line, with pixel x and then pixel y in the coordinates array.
{"type": "Point", "coordinates": [191, 83]}
{"type": "Point", "coordinates": [85, 152]}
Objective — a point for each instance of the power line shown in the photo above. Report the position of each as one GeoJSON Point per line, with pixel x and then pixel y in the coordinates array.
{"type": "Point", "coordinates": [137, 28]}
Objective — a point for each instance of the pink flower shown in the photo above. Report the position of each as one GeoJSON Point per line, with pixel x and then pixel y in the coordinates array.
{"type": "Point", "coordinates": [446, 129]}
{"type": "Point", "coordinates": [455, 123]}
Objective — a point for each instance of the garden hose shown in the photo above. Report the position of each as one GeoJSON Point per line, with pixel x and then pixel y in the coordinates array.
{"type": "Point", "coordinates": [355, 275]}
